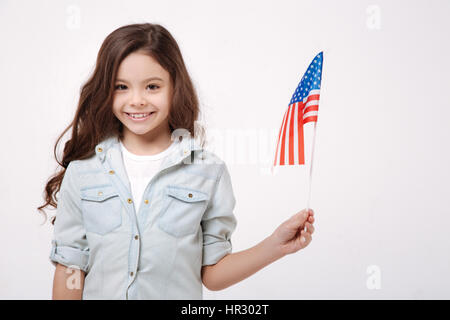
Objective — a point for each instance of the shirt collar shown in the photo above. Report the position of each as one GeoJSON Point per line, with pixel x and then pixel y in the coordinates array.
{"type": "Point", "coordinates": [183, 148]}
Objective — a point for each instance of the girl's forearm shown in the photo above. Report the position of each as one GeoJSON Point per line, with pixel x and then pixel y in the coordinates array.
{"type": "Point", "coordinates": [235, 267]}
{"type": "Point", "coordinates": [68, 285]}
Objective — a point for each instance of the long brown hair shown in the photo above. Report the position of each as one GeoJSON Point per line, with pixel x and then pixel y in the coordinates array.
{"type": "Point", "coordinates": [94, 119]}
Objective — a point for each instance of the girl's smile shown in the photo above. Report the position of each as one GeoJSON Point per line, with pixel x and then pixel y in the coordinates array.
{"type": "Point", "coordinates": [140, 117]}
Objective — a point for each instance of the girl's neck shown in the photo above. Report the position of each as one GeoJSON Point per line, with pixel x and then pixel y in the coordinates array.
{"type": "Point", "coordinates": [146, 145]}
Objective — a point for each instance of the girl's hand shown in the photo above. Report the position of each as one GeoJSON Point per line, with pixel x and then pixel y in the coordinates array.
{"type": "Point", "coordinates": [290, 237]}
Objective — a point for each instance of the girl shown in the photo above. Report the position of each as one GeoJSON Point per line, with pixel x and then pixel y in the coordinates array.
{"type": "Point", "coordinates": [144, 212]}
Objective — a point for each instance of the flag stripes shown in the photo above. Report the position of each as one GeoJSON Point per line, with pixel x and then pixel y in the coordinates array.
{"type": "Point", "coordinates": [290, 144]}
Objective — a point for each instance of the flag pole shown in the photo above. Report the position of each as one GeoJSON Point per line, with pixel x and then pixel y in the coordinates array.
{"type": "Point", "coordinates": [310, 168]}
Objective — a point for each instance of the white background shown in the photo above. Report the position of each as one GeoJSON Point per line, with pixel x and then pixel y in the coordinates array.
{"type": "Point", "coordinates": [380, 181]}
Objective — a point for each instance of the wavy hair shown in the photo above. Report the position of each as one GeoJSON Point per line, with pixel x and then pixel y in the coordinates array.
{"type": "Point", "coordinates": [94, 119]}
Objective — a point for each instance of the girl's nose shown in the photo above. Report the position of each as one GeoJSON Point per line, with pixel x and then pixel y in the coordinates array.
{"type": "Point", "coordinates": [137, 99]}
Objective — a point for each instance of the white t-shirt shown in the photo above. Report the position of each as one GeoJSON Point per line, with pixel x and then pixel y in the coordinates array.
{"type": "Point", "coordinates": [141, 169]}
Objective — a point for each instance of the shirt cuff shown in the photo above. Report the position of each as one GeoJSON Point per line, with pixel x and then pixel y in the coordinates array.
{"type": "Point", "coordinates": [68, 256]}
{"type": "Point", "coordinates": [213, 252]}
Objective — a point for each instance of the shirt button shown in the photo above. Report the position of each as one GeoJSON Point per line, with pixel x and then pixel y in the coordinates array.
{"type": "Point", "coordinates": [130, 201]}
{"type": "Point", "coordinates": [131, 273]}
{"type": "Point", "coordinates": [100, 193]}
{"type": "Point", "coordinates": [190, 195]}
{"type": "Point", "coordinates": [136, 237]}
{"type": "Point", "coordinates": [111, 172]}
{"type": "Point", "coordinates": [99, 149]}
{"type": "Point", "coordinates": [146, 201]}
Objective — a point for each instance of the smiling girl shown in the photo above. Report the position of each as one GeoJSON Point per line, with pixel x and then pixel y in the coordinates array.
{"type": "Point", "coordinates": [143, 211]}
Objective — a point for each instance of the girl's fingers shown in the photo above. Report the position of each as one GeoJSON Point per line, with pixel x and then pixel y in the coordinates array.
{"type": "Point", "coordinates": [309, 228]}
{"type": "Point", "coordinates": [298, 219]}
{"type": "Point", "coordinates": [307, 238]}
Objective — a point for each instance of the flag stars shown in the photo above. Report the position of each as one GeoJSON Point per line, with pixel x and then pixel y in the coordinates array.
{"type": "Point", "coordinates": [310, 81]}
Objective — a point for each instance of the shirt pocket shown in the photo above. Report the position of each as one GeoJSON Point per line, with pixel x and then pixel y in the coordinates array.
{"type": "Point", "coordinates": [101, 209]}
{"type": "Point", "coordinates": [182, 210]}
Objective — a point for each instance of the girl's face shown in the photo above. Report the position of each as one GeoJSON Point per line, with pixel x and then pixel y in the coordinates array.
{"type": "Point", "coordinates": [142, 96]}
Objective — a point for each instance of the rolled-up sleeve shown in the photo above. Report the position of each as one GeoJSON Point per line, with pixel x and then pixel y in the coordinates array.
{"type": "Point", "coordinates": [69, 244]}
{"type": "Point", "coordinates": [219, 222]}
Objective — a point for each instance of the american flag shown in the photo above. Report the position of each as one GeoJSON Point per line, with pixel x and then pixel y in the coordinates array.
{"type": "Point", "coordinates": [303, 108]}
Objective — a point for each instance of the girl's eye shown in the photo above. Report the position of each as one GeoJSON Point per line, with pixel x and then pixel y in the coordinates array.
{"type": "Point", "coordinates": [120, 86]}
{"type": "Point", "coordinates": [153, 85]}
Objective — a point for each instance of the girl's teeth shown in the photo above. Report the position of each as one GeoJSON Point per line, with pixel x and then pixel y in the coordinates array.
{"type": "Point", "coordinates": [141, 115]}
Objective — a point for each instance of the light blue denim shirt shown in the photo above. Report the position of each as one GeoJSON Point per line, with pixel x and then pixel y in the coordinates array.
{"type": "Point", "coordinates": [185, 221]}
